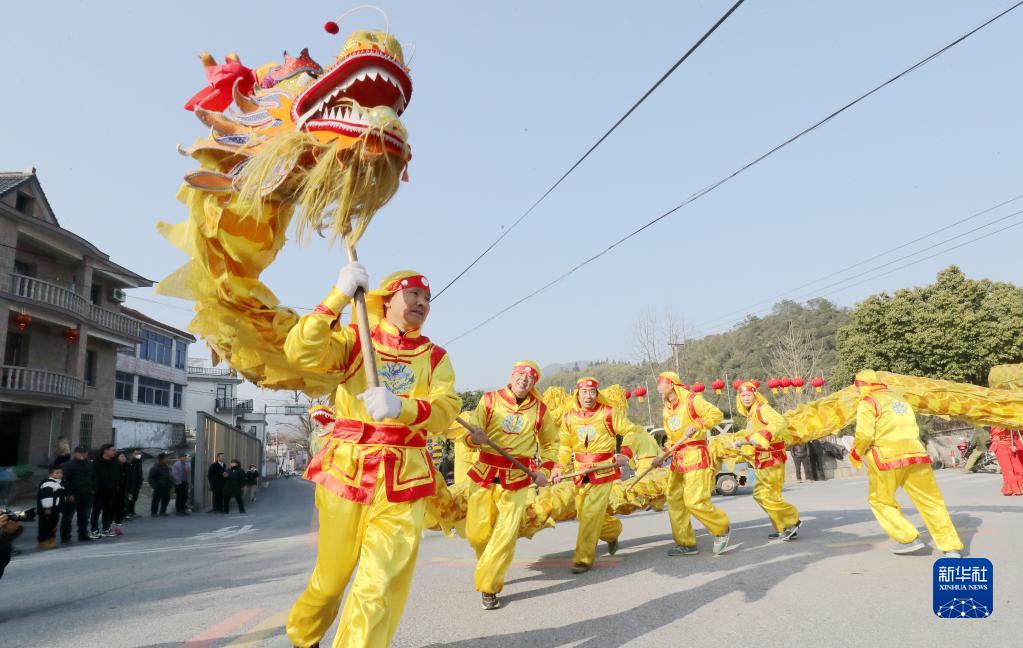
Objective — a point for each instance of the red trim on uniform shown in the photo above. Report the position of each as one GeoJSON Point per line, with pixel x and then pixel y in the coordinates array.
{"type": "Point", "coordinates": [627, 451]}
{"type": "Point", "coordinates": [437, 354]}
{"type": "Point", "coordinates": [364, 433]}
{"type": "Point", "coordinates": [773, 455]}
{"type": "Point", "coordinates": [399, 342]}
{"type": "Point", "coordinates": [547, 465]}
{"type": "Point", "coordinates": [424, 408]}
{"type": "Point", "coordinates": [588, 459]}
{"type": "Point", "coordinates": [874, 403]}
{"type": "Point", "coordinates": [691, 403]}
{"type": "Point", "coordinates": [677, 464]}
{"type": "Point", "coordinates": [322, 309]}
{"type": "Point", "coordinates": [490, 466]}
{"type": "Point", "coordinates": [898, 463]}
{"type": "Point", "coordinates": [766, 434]}
{"type": "Point", "coordinates": [760, 416]}
{"type": "Point", "coordinates": [488, 407]}
{"type": "Point", "coordinates": [855, 455]}
{"type": "Point", "coordinates": [353, 353]}
{"type": "Point", "coordinates": [609, 419]}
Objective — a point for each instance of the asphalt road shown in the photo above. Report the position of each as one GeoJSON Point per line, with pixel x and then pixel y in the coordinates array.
{"type": "Point", "coordinates": [214, 580]}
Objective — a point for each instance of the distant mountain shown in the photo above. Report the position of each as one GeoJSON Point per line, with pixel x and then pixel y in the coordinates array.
{"type": "Point", "coordinates": [560, 367]}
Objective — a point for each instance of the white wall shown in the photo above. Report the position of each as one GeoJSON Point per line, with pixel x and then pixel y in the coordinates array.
{"type": "Point", "coordinates": [147, 434]}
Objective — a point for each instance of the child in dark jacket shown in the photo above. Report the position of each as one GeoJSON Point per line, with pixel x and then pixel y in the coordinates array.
{"type": "Point", "coordinates": [49, 503]}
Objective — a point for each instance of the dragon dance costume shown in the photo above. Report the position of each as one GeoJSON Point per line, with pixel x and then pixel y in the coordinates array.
{"type": "Point", "coordinates": [888, 439]}
{"type": "Point", "coordinates": [588, 439]}
{"type": "Point", "coordinates": [692, 474]}
{"type": "Point", "coordinates": [498, 494]}
{"type": "Point", "coordinates": [767, 431]}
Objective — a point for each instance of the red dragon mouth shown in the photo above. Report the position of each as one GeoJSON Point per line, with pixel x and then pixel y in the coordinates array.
{"type": "Point", "coordinates": [343, 98]}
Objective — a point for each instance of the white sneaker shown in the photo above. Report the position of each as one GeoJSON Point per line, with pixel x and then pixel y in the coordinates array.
{"type": "Point", "coordinates": [721, 543]}
{"type": "Point", "coordinates": [95, 535]}
{"type": "Point", "coordinates": [903, 548]}
{"type": "Point", "coordinates": [953, 554]}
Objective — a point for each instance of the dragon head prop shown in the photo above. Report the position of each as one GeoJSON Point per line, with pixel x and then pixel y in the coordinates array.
{"type": "Point", "coordinates": [329, 140]}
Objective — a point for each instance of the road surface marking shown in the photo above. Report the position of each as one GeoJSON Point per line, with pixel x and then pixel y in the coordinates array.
{"type": "Point", "coordinates": [208, 637]}
{"type": "Point", "coordinates": [262, 630]}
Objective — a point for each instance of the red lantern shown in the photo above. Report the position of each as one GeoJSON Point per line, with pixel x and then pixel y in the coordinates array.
{"type": "Point", "coordinates": [717, 386]}
{"type": "Point", "coordinates": [798, 384]}
{"type": "Point", "coordinates": [756, 383]}
{"type": "Point", "coordinates": [785, 384]}
{"type": "Point", "coordinates": [71, 335]}
{"type": "Point", "coordinates": [640, 393]}
{"type": "Point", "coordinates": [774, 384]}
{"type": "Point", "coordinates": [21, 321]}
{"type": "Point", "coordinates": [817, 383]}
{"type": "Point", "coordinates": [699, 387]}
{"type": "Point", "coordinates": [628, 394]}
{"type": "Point", "coordinates": [736, 383]}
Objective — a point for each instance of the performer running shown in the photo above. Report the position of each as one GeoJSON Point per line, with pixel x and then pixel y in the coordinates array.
{"type": "Point", "coordinates": [1004, 445]}
{"type": "Point", "coordinates": [767, 431]}
{"type": "Point", "coordinates": [589, 433]}
{"type": "Point", "coordinates": [688, 418]}
{"type": "Point", "coordinates": [888, 438]}
{"type": "Point", "coordinates": [373, 473]}
{"type": "Point", "coordinates": [517, 420]}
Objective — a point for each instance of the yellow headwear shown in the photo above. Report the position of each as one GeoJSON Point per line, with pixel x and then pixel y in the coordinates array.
{"type": "Point", "coordinates": [747, 386]}
{"type": "Point", "coordinates": [531, 368]}
{"type": "Point", "coordinates": [590, 383]}
{"type": "Point", "coordinates": [867, 382]}
{"type": "Point", "coordinates": [672, 378]}
{"type": "Point", "coordinates": [391, 284]}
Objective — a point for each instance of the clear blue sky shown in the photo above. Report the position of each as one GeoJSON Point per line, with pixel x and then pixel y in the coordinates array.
{"type": "Point", "coordinates": [507, 96]}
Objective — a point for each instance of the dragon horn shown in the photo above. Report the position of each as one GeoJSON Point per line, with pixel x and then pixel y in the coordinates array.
{"type": "Point", "coordinates": [241, 99]}
{"type": "Point", "coordinates": [207, 59]}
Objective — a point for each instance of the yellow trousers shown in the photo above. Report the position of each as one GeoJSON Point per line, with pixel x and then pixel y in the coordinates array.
{"type": "Point", "coordinates": [382, 538]}
{"type": "Point", "coordinates": [596, 520]}
{"type": "Point", "coordinates": [919, 483]}
{"type": "Point", "coordinates": [689, 495]}
{"type": "Point", "coordinates": [492, 527]}
{"type": "Point", "coordinates": [767, 493]}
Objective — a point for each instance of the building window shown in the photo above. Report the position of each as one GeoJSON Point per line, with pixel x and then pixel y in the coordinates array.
{"type": "Point", "coordinates": [252, 430]}
{"type": "Point", "coordinates": [16, 351]}
{"type": "Point", "coordinates": [154, 392]}
{"type": "Point", "coordinates": [155, 347]}
{"type": "Point", "coordinates": [96, 294]}
{"type": "Point", "coordinates": [224, 392]}
{"type": "Point", "coordinates": [23, 203]}
{"type": "Point", "coordinates": [85, 431]}
{"type": "Point", "coordinates": [125, 388]}
{"type": "Point", "coordinates": [24, 269]}
{"type": "Point", "coordinates": [178, 393]}
{"type": "Point", "coordinates": [126, 350]}
{"type": "Point", "coordinates": [180, 354]}
{"type": "Point", "coordinates": [90, 368]}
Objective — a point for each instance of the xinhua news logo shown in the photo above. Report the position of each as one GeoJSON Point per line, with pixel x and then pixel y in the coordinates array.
{"type": "Point", "coordinates": [964, 588]}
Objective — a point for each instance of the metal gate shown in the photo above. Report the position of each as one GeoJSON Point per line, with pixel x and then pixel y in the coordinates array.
{"type": "Point", "coordinates": [211, 437]}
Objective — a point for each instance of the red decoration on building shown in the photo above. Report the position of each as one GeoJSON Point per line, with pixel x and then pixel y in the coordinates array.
{"type": "Point", "coordinates": [798, 384]}
{"type": "Point", "coordinates": [698, 387]}
{"type": "Point", "coordinates": [817, 383]}
{"type": "Point", "coordinates": [640, 393]}
{"type": "Point", "coordinates": [785, 383]}
{"type": "Point", "coordinates": [21, 321]}
{"type": "Point", "coordinates": [71, 335]}
{"type": "Point", "coordinates": [774, 384]}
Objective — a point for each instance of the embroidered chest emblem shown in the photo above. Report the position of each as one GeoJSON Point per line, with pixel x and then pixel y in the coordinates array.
{"type": "Point", "coordinates": [397, 377]}
{"type": "Point", "coordinates": [513, 423]}
{"type": "Point", "coordinates": [899, 407]}
{"type": "Point", "coordinates": [586, 433]}
{"type": "Point", "coordinates": [674, 423]}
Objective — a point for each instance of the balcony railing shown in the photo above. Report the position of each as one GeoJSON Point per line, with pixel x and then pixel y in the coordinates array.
{"type": "Point", "coordinates": [66, 299]}
{"type": "Point", "coordinates": [234, 405]}
{"type": "Point", "coordinates": [211, 371]}
{"type": "Point", "coordinates": [37, 381]}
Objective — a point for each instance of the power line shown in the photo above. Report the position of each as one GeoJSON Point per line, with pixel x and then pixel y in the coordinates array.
{"type": "Point", "coordinates": [757, 160]}
{"type": "Point", "coordinates": [772, 300]}
{"type": "Point", "coordinates": [591, 149]}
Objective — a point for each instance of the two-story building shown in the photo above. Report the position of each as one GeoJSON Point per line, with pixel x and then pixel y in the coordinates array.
{"type": "Point", "coordinates": [214, 390]}
{"type": "Point", "coordinates": [151, 392]}
{"type": "Point", "coordinates": [60, 326]}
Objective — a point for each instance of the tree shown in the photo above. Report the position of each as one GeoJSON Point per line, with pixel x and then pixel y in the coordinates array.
{"type": "Point", "coordinates": [953, 329]}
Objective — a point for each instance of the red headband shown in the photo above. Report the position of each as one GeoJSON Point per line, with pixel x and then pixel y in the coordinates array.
{"type": "Point", "coordinates": [587, 383]}
{"type": "Point", "coordinates": [663, 379]}
{"type": "Point", "coordinates": [526, 369]}
{"type": "Point", "coordinates": [415, 281]}
{"type": "Point", "coordinates": [747, 388]}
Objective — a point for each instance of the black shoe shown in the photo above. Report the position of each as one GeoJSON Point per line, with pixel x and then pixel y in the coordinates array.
{"type": "Point", "coordinates": [580, 568]}
{"type": "Point", "coordinates": [612, 547]}
{"type": "Point", "coordinates": [490, 601]}
{"type": "Point", "coordinates": [163, 513]}
{"type": "Point", "coordinates": [773, 536]}
{"type": "Point", "coordinates": [242, 511]}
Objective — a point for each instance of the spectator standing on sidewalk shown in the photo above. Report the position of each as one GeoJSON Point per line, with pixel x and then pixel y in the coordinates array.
{"type": "Point", "coordinates": [49, 503]}
{"type": "Point", "coordinates": [215, 478]}
{"type": "Point", "coordinates": [160, 481]}
{"type": "Point", "coordinates": [108, 476]}
{"type": "Point", "coordinates": [181, 473]}
{"type": "Point", "coordinates": [816, 453]}
{"type": "Point", "coordinates": [233, 484]}
{"type": "Point", "coordinates": [801, 459]}
{"type": "Point", "coordinates": [251, 481]}
{"type": "Point", "coordinates": [79, 488]}
{"type": "Point", "coordinates": [121, 494]}
{"type": "Point", "coordinates": [133, 484]}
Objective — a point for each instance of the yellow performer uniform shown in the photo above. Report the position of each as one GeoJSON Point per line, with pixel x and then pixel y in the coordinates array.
{"type": "Point", "coordinates": [888, 438]}
{"type": "Point", "coordinates": [643, 447]}
{"type": "Point", "coordinates": [690, 483]}
{"type": "Point", "coordinates": [767, 431]}
{"type": "Point", "coordinates": [371, 476]}
{"type": "Point", "coordinates": [497, 497]}
{"type": "Point", "coordinates": [587, 439]}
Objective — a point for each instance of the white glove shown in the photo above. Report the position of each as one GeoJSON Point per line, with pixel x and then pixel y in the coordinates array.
{"type": "Point", "coordinates": [353, 276]}
{"type": "Point", "coordinates": [381, 403]}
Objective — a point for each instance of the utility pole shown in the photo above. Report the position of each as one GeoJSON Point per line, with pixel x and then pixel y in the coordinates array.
{"type": "Point", "coordinates": [649, 410]}
{"type": "Point", "coordinates": [675, 346]}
